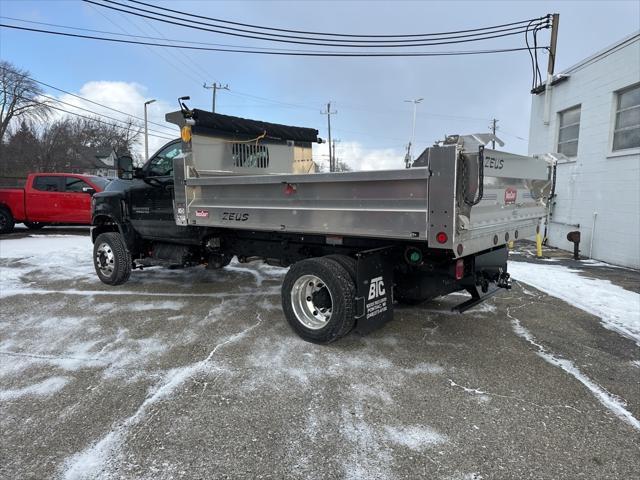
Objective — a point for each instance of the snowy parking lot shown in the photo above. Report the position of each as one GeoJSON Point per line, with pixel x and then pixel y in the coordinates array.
{"type": "Point", "coordinates": [195, 374]}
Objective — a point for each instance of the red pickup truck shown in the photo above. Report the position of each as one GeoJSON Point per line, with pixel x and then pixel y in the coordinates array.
{"type": "Point", "coordinates": [49, 198]}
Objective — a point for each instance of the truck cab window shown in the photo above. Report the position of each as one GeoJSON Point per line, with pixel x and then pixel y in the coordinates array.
{"type": "Point", "coordinates": [162, 164]}
{"type": "Point", "coordinates": [48, 184]}
{"type": "Point", "coordinates": [75, 185]}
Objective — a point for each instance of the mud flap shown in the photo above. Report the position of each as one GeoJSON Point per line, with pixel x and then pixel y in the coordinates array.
{"type": "Point", "coordinates": [374, 290]}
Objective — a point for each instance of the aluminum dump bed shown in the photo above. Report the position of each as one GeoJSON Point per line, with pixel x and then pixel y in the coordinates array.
{"type": "Point", "coordinates": [439, 203]}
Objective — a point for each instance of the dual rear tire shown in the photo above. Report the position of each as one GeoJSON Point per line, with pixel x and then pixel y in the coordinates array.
{"type": "Point", "coordinates": [318, 298]}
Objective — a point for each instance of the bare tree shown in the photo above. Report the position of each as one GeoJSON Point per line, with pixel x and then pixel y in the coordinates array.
{"type": "Point", "coordinates": [64, 145]}
{"type": "Point", "coordinates": [20, 97]}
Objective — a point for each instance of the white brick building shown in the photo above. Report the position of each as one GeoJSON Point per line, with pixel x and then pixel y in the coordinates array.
{"type": "Point", "coordinates": [594, 120]}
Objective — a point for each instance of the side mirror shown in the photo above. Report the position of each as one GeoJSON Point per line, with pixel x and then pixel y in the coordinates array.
{"type": "Point", "coordinates": [89, 190]}
{"type": "Point", "coordinates": [125, 167]}
{"type": "Point", "coordinates": [138, 172]}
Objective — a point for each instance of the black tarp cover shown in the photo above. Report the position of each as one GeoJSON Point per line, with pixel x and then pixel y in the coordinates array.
{"type": "Point", "coordinates": [253, 128]}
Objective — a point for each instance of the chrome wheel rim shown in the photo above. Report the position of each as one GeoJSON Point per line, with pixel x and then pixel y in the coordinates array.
{"type": "Point", "coordinates": [105, 259]}
{"type": "Point", "coordinates": [312, 302]}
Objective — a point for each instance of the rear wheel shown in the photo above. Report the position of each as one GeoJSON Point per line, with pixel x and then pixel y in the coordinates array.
{"type": "Point", "coordinates": [6, 221]}
{"type": "Point", "coordinates": [111, 258]}
{"type": "Point", "coordinates": [318, 299]}
{"type": "Point", "coordinates": [34, 225]}
{"type": "Point", "coordinates": [346, 262]}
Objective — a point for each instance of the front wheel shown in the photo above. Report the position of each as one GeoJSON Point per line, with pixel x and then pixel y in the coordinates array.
{"type": "Point", "coordinates": [34, 225]}
{"type": "Point", "coordinates": [6, 221]}
{"type": "Point", "coordinates": [318, 299]}
{"type": "Point", "coordinates": [111, 258]}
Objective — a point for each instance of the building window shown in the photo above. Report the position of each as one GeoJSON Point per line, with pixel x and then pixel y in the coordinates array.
{"type": "Point", "coordinates": [627, 129]}
{"type": "Point", "coordinates": [250, 155]}
{"type": "Point", "coordinates": [569, 131]}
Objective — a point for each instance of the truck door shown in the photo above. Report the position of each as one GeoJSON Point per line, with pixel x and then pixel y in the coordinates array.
{"type": "Point", "coordinates": [151, 197]}
{"type": "Point", "coordinates": [44, 200]}
{"type": "Point", "coordinates": [76, 201]}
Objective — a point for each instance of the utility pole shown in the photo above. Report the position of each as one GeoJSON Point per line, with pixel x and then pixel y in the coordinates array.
{"type": "Point", "coordinates": [146, 132]}
{"type": "Point", "coordinates": [335, 159]}
{"type": "Point", "coordinates": [215, 87]}
{"type": "Point", "coordinates": [328, 113]}
{"type": "Point", "coordinates": [555, 23]}
{"type": "Point", "coordinates": [493, 128]}
{"type": "Point", "coordinates": [407, 157]}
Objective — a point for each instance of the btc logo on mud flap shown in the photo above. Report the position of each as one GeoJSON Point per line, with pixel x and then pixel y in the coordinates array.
{"type": "Point", "coordinates": [376, 288]}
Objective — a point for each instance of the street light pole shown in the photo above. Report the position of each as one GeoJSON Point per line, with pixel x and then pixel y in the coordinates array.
{"type": "Point", "coordinates": [146, 132]}
{"type": "Point", "coordinates": [407, 157]}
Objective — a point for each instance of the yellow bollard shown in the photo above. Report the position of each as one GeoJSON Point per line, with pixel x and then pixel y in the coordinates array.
{"type": "Point", "coordinates": [538, 245]}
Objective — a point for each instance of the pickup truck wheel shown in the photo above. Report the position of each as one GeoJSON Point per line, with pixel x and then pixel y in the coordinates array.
{"type": "Point", "coordinates": [6, 221]}
{"type": "Point", "coordinates": [34, 225]}
{"type": "Point", "coordinates": [111, 259]}
{"type": "Point", "coordinates": [318, 299]}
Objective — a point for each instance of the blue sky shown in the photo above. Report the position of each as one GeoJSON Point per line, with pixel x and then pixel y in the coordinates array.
{"type": "Point", "coordinates": [461, 94]}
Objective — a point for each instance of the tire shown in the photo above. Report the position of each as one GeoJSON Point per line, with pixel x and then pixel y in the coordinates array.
{"type": "Point", "coordinates": [346, 262]}
{"type": "Point", "coordinates": [34, 225]}
{"type": "Point", "coordinates": [111, 258]}
{"type": "Point", "coordinates": [313, 285]}
{"type": "Point", "coordinates": [6, 221]}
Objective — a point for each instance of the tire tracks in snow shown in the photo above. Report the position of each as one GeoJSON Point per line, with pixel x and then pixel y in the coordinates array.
{"type": "Point", "coordinates": [93, 461]}
{"type": "Point", "coordinates": [613, 403]}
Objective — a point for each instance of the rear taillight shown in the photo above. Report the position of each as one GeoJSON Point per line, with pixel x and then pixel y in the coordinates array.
{"type": "Point", "coordinates": [459, 269]}
{"type": "Point", "coordinates": [442, 237]}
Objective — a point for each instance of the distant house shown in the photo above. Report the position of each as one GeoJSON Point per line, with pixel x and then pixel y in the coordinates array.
{"type": "Point", "coordinates": [91, 161]}
{"type": "Point", "coordinates": [593, 119]}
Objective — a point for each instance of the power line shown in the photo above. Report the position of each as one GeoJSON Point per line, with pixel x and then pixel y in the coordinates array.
{"type": "Point", "coordinates": [135, 11]}
{"type": "Point", "coordinates": [324, 33]}
{"type": "Point", "coordinates": [93, 119]}
{"type": "Point", "coordinates": [91, 111]}
{"type": "Point", "coordinates": [153, 51]}
{"type": "Point", "coordinates": [299, 53]}
{"type": "Point", "coordinates": [76, 106]}
{"type": "Point", "coordinates": [90, 101]}
{"type": "Point", "coordinates": [146, 37]}
{"type": "Point", "coordinates": [253, 33]}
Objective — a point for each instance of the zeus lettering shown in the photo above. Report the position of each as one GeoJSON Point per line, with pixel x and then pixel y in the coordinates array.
{"type": "Point", "coordinates": [492, 162]}
{"type": "Point", "coordinates": [232, 216]}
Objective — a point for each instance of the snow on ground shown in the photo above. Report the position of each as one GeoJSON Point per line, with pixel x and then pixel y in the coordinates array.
{"type": "Point", "coordinates": [46, 387]}
{"type": "Point", "coordinates": [618, 309]}
{"type": "Point", "coordinates": [614, 403]}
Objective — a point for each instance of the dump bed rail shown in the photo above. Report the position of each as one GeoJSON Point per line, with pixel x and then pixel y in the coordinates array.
{"type": "Point", "coordinates": [463, 201]}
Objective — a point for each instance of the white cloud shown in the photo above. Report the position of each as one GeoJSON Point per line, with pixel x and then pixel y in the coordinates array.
{"type": "Point", "coordinates": [359, 157]}
{"type": "Point", "coordinates": [128, 98]}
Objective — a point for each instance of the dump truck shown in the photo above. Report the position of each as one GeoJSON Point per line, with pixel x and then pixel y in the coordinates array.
{"type": "Point", "coordinates": [355, 243]}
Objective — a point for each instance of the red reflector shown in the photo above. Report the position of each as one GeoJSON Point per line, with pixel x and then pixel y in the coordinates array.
{"type": "Point", "coordinates": [290, 189]}
{"type": "Point", "coordinates": [459, 269]}
{"type": "Point", "coordinates": [441, 237]}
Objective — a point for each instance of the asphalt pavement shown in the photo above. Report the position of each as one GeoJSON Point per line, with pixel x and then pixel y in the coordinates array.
{"type": "Point", "coordinates": [194, 374]}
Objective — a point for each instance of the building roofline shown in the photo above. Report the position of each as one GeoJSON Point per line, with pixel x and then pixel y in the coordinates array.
{"type": "Point", "coordinates": [633, 37]}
